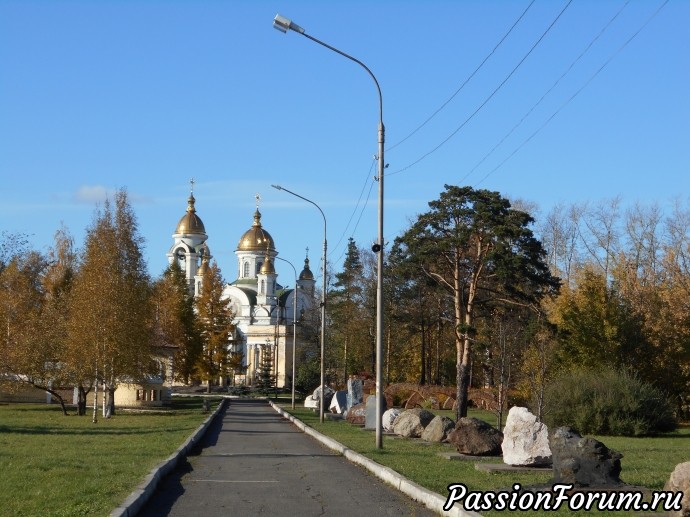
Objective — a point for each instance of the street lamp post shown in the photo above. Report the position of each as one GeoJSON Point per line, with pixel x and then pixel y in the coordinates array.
{"type": "Point", "coordinates": [323, 296]}
{"type": "Point", "coordinates": [294, 328]}
{"type": "Point", "coordinates": [283, 24]}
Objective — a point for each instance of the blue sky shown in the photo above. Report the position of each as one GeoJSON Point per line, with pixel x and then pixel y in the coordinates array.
{"type": "Point", "coordinates": [145, 95]}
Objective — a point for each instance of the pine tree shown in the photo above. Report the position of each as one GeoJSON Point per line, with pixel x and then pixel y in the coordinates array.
{"type": "Point", "coordinates": [175, 319]}
{"type": "Point", "coordinates": [480, 251]}
{"type": "Point", "coordinates": [266, 380]}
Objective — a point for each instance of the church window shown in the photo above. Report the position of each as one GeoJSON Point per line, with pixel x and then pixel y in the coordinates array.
{"type": "Point", "coordinates": [262, 288]}
{"type": "Point", "coordinates": [258, 267]}
{"type": "Point", "coordinates": [246, 270]}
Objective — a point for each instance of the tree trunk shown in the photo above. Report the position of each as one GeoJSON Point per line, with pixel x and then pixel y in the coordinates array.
{"type": "Point", "coordinates": [95, 401]}
{"type": "Point", "coordinates": [81, 400]}
{"type": "Point", "coordinates": [463, 385]}
{"type": "Point", "coordinates": [422, 379]}
{"type": "Point", "coordinates": [110, 409]}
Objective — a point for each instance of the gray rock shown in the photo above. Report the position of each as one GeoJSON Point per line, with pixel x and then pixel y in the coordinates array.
{"type": "Point", "coordinates": [438, 429]}
{"type": "Point", "coordinates": [475, 437]}
{"type": "Point", "coordinates": [311, 403]}
{"type": "Point", "coordinates": [338, 403]}
{"type": "Point", "coordinates": [389, 418]}
{"type": "Point", "coordinates": [370, 421]}
{"type": "Point", "coordinates": [327, 396]}
{"type": "Point", "coordinates": [525, 440]}
{"type": "Point", "coordinates": [355, 392]}
{"type": "Point", "coordinates": [584, 462]}
{"type": "Point", "coordinates": [680, 482]}
{"type": "Point", "coordinates": [411, 422]}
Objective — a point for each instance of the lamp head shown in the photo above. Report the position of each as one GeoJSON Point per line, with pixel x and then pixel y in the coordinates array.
{"type": "Point", "coordinates": [277, 187]}
{"type": "Point", "coordinates": [283, 25]}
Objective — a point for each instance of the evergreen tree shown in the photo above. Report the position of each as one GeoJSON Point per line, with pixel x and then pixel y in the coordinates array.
{"type": "Point", "coordinates": [265, 378]}
{"type": "Point", "coordinates": [347, 314]}
{"type": "Point", "coordinates": [176, 321]}
{"type": "Point", "coordinates": [480, 251]}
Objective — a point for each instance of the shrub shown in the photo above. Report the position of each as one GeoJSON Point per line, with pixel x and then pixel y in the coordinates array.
{"type": "Point", "coordinates": [607, 402]}
{"type": "Point", "coordinates": [308, 376]}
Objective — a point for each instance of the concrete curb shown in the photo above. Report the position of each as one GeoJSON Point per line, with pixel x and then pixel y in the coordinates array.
{"type": "Point", "coordinates": [430, 499]}
{"type": "Point", "coordinates": [143, 492]}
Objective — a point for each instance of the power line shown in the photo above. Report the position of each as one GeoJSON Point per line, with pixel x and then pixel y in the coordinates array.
{"type": "Point", "coordinates": [488, 98]}
{"type": "Point", "coordinates": [468, 78]}
{"type": "Point", "coordinates": [361, 213]}
{"type": "Point", "coordinates": [364, 186]}
{"type": "Point", "coordinates": [529, 112]}
{"type": "Point", "coordinates": [572, 97]}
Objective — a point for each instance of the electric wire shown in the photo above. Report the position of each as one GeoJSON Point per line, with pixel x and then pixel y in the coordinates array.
{"type": "Point", "coordinates": [368, 178]}
{"type": "Point", "coordinates": [531, 110]}
{"type": "Point", "coordinates": [361, 213]}
{"type": "Point", "coordinates": [469, 78]}
{"type": "Point", "coordinates": [493, 93]}
{"type": "Point", "coordinates": [574, 95]}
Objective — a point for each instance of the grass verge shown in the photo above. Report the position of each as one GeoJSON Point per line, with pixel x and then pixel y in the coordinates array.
{"type": "Point", "coordinates": [52, 465]}
{"type": "Point", "coordinates": [646, 462]}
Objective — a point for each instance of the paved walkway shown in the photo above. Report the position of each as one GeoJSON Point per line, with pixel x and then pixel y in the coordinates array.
{"type": "Point", "coordinates": [254, 462]}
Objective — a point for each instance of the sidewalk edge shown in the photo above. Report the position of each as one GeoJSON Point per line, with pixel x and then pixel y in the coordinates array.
{"type": "Point", "coordinates": [430, 499]}
{"type": "Point", "coordinates": [143, 492]}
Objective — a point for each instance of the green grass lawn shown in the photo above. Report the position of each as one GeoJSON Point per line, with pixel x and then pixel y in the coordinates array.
{"type": "Point", "coordinates": [646, 462]}
{"type": "Point", "coordinates": [55, 465]}
{"type": "Point", "coordinates": [52, 465]}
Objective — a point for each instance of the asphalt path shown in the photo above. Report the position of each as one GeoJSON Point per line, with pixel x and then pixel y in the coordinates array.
{"type": "Point", "coordinates": [254, 462]}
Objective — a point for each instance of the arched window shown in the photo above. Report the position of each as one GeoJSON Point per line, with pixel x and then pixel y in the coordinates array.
{"type": "Point", "coordinates": [246, 270]}
{"type": "Point", "coordinates": [258, 267]}
{"type": "Point", "coordinates": [263, 287]}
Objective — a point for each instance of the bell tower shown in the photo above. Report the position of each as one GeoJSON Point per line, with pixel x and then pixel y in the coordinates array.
{"type": "Point", "coordinates": [189, 237]}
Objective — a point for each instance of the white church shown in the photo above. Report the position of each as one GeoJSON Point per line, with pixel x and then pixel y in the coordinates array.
{"type": "Point", "coordinates": [263, 308]}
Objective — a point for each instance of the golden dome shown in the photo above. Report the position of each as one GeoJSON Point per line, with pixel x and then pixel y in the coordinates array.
{"type": "Point", "coordinates": [306, 273]}
{"type": "Point", "coordinates": [256, 238]}
{"type": "Point", "coordinates": [190, 222]}
{"type": "Point", "coordinates": [203, 268]}
{"type": "Point", "coordinates": [267, 267]}
{"type": "Point", "coordinates": [205, 253]}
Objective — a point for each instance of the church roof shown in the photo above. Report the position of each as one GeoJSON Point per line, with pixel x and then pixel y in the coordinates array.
{"type": "Point", "coordinates": [256, 238]}
{"type": "Point", "coordinates": [306, 273]}
{"type": "Point", "coordinates": [190, 224]}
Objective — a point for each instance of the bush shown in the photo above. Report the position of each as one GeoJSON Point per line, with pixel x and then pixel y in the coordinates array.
{"type": "Point", "coordinates": [607, 402]}
{"type": "Point", "coordinates": [308, 376]}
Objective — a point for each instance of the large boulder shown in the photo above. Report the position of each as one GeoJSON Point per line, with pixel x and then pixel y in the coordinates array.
{"type": "Point", "coordinates": [355, 392]}
{"type": "Point", "coordinates": [680, 482]}
{"type": "Point", "coordinates": [313, 400]}
{"type": "Point", "coordinates": [525, 440]}
{"type": "Point", "coordinates": [370, 420]}
{"type": "Point", "coordinates": [357, 414]}
{"type": "Point", "coordinates": [389, 417]}
{"type": "Point", "coordinates": [476, 438]}
{"type": "Point", "coordinates": [584, 462]}
{"type": "Point", "coordinates": [438, 429]}
{"type": "Point", "coordinates": [338, 403]}
{"type": "Point", "coordinates": [411, 422]}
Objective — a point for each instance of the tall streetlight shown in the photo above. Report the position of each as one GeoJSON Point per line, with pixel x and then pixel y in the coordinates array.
{"type": "Point", "coordinates": [294, 329]}
{"type": "Point", "coordinates": [323, 296]}
{"type": "Point", "coordinates": [283, 24]}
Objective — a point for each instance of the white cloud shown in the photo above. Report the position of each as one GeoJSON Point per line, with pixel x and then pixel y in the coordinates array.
{"type": "Point", "coordinates": [92, 194]}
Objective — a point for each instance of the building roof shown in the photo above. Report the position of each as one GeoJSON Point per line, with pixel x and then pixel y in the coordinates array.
{"type": "Point", "coordinates": [256, 238]}
{"type": "Point", "coordinates": [190, 223]}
